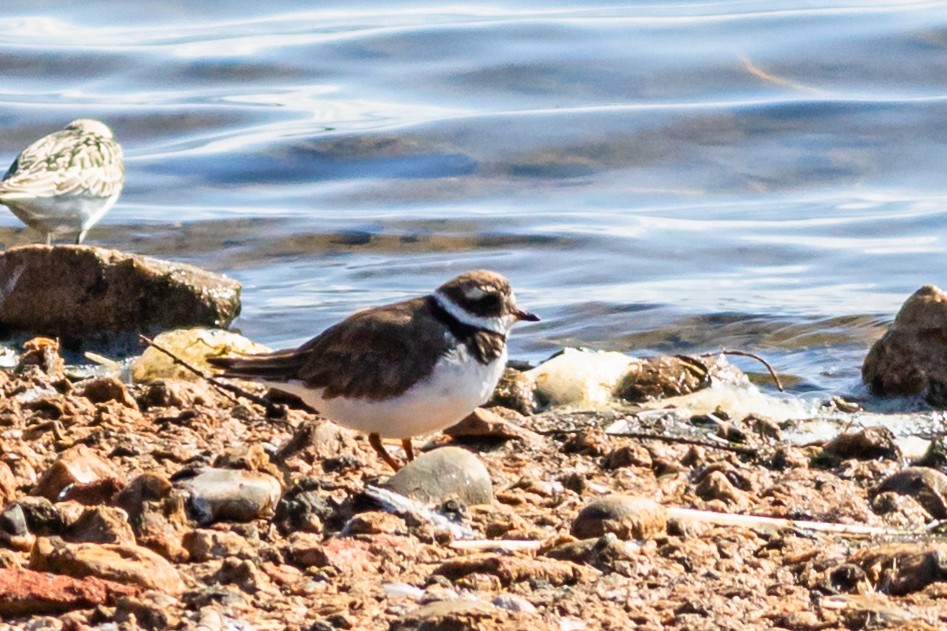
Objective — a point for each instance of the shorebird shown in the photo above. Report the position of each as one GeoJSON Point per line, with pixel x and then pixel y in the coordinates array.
{"type": "Point", "coordinates": [403, 369]}
{"type": "Point", "coordinates": [65, 182]}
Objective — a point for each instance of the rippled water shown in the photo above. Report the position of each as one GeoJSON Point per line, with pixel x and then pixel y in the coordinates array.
{"type": "Point", "coordinates": [653, 177]}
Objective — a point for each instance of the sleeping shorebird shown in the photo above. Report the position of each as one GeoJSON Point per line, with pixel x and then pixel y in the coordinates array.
{"type": "Point", "coordinates": [65, 182]}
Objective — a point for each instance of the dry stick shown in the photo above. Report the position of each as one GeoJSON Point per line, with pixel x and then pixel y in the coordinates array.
{"type": "Point", "coordinates": [749, 451]}
{"type": "Point", "coordinates": [757, 522]}
{"type": "Point", "coordinates": [227, 389]}
{"type": "Point", "coordinates": [752, 356]}
{"type": "Point", "coordinates": [777, 523]}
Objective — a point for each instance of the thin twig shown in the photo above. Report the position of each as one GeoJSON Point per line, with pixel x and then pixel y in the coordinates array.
{"type": "Point", "coordinates": [778, 523]}
{"type": "Point", "coordinates": [507, 545]}
{"type": "Point", "coordinates": [747, 451]}
{"type": "Point", "coordinates": [225, 388]}
{"type": "Point", "coordinates": [751, 356]}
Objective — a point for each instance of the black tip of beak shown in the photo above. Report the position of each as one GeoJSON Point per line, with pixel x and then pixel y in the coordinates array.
{"type": "Point", "coordinates": [527, 316]}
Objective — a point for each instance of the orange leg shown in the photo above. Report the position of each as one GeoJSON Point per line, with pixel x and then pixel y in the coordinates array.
{"type": "Point", "coordinates": [375, 441]}
{"type": "Point", "coordinates": [408, 449]}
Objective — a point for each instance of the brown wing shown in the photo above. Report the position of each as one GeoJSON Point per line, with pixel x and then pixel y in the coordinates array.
{"type": "Point", "coordinates": [372, 354]}
{"type": "Point", "coordinates": [276, 366]}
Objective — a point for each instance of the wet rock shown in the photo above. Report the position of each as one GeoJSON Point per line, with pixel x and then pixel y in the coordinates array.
{"type": "Point", "coordinates": [902, 568]}
{"type": "Point", "coordinates": [193, 345]}
{"type": "Point", "coordinates": [29, 593]}
{"type": "Point", "coordinates": [869, 443]}
{"type": "Point", "coordinates": [911, 357]}
{"type": "Point", "coordinates": [204, 545]}
{"type": "Point", "coordinates": [304, 507]}
{"type": "Point", "coordinates": [126, 564]}
{"type": "Point", "coordinates": [87, 291]}
{"type": "Point", "coordinates": [626, 516]}
{"type": "Point", "coordinates": [927, 486]}
{"type": "Point", "coordinates": [485, 423]}
{"type": "Point", "coordinates": [579, 378]}
{"type": "Point", "coordinates": [468, 615]}
{"type": "Point", "coordinates": [230, 495]}
{"type": "Point", "coordinates": [101, 524]}
{"type": "Point", "coordinates": [515, 391]}
{"type": "Point", "coordinates": [156, 514]}
{"type": "Point", "coordinates": [448, 472]}
{"type": "Point", "coordinates": [76, 465]}
{"type": "Point", "coordinates": [509, 569]}
{"type": "Point", "coordinates": [106, 389]}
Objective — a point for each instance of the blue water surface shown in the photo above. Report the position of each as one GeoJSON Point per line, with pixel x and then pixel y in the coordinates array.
{"type": "Point", "coordinates": [653, 177]}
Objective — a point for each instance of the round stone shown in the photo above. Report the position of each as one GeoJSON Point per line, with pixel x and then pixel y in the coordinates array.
{"type": "Point", "coordinates": [626, 516]}
{"type": "Point", "coordinates": [442, 474]}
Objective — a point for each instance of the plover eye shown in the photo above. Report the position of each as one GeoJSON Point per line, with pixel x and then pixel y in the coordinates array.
{"type": "Point", "coordinates": [488, 303]}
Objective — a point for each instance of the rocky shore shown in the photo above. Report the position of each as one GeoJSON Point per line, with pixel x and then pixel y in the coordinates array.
{"type": "Point", "coordinates": [597, 492]}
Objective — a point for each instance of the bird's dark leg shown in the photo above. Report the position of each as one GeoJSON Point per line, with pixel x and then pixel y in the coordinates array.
{"type": "Point", "coordinates": [408, 449]}
{"type": "Point", "coordinates": [375, 441]}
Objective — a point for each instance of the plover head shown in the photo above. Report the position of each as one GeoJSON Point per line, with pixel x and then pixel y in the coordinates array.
{"type": "Point", "coordinates": [90, 126]}
{"type": "Point", "coordinates": [482, 299]}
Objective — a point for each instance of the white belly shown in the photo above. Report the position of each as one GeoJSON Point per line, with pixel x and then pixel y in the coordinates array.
{"type": "Point", "coordinates": [457, 385]}
{"type": "Point", "coordinates": [64, 214]}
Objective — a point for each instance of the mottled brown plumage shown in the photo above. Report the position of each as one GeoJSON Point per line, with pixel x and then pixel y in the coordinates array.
{"type": "Point", "coordinates": [402, 369]}
{"type": "Point", "coordinates": [373, 354]}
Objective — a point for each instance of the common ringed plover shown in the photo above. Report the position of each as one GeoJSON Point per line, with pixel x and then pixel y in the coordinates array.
{"type": "Point", "coordinates": [400, 370]}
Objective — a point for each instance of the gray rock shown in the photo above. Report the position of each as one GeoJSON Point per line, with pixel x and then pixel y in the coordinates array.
{"type": "Point", "coordinates": [82, 291]}
{"type": "Point", "coordinates": [448, 472]}
{"type": "Point", "coordinates": [230, 495]}
{"type": "Point", "coordinates": [626, 516]}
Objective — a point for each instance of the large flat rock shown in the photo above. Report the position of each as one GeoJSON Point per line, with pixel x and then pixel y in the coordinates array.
{"type": "Point", "coordinates": [81, 291]}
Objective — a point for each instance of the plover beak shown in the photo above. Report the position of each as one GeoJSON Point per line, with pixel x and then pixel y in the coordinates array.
{"type": "Point", "coordinates": [525, 315]}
